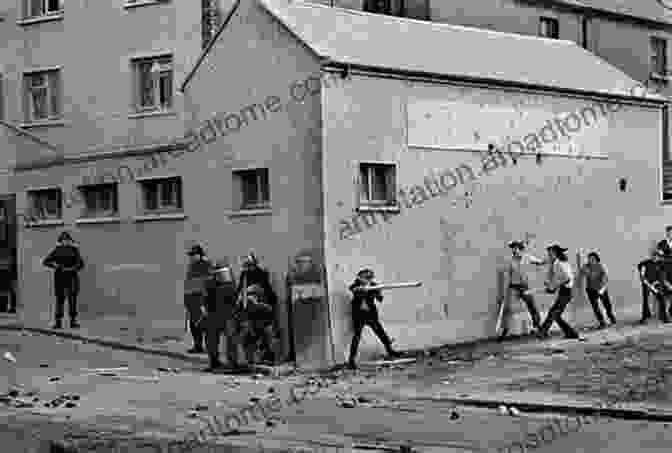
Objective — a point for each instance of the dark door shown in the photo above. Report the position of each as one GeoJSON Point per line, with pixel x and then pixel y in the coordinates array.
{"type": "Point", "coordinates": [8, 252]}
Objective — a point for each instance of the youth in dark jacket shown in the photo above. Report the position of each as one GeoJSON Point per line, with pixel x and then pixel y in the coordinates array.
{"type": "Point", "coordinates": [596, 288]}
{"type": "Point", "coordinates": [364, 312]}
{"type": "Point", "coordinates": [66, 260]}
{"type": "Point", "coordinates": [196, 285]}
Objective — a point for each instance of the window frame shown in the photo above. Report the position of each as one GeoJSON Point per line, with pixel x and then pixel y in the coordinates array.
{"type": "Point", "coordinates": [163, 59]}
{"type": "Point", "coordinates": [211, 19]}
{"type": "Point", "coordinates": [658, 59]}
{"type": "Point", "coordinates": [161, 208]}
{"type": "Point", "coordinates": [53, 96]}
{"type": "Point", "coordinates": [390, 177]}
{"type": "Point", "coordinates": [263, 193]}
{"type": "Point", "coordinates": [87, 213]}
{"type": "Point", "coordinates": [554, 24]}
{"type": "Point", "coordinates": [34, 211]}
{"type": "Point", "coordinates": [44, 9]}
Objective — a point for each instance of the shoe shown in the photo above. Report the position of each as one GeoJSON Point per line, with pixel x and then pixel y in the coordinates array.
{"type": "Point", "coordinates": [57, 325]}
{"type": "Point", "coordinates": [213, 366]}
{"type": "Point", "coordinates": [351, 365]}
{"type": "Point", "coordinates": [602, 325]}
{"type": "Point", "coordinates": [12, 311]}
{"type": "Point", "coordinates": [394, 354]}
{"type": "Point", "coordinates": [74, 325]}
{"type": "Point", "coordinates": [573, 337]}
{"type": "Point", "coordinates": [644, 320]}
{"type": "Point", "coordinates": [542, 334]}
{"type": "Point", "coordinates": [195, 350]}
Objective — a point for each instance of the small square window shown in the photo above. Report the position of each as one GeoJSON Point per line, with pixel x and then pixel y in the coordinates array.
{"type": "Point", "coordinates": [42, 97]}
{"type": "Point", "coordinates": [154, 84]}
{"type": "Point", "coordinates": [377, 185]}
{"type": "Point", "coordinates": [100, 200]}
{"type": "Point", "coordinates": [549, 28]}
{"type": "Point", "coordinates": [162, 195]}
{"type": "Point", "coordinates": [254, 188]}
{"type": "Point", "coordinates": [211, 19]}
{"type": "Point", "coordinates": [41, 8]}
{"type": "Point", "coordinates": [45, 204]}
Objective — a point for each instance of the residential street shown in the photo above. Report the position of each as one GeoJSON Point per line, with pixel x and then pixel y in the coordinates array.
{"type": "Point", "coordinates": [377, 407]}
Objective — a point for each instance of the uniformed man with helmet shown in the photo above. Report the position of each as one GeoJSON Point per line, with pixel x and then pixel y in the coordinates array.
{"type": "Point", "coordinates": [220, 304]}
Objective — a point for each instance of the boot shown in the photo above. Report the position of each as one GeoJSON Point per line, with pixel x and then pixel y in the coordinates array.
{"type": "Point", "coordinates": [74, 324]}
{"type": "Point", "coordinates": [58, 324]}
{"type": "Point", "coordinates": [213, 366]}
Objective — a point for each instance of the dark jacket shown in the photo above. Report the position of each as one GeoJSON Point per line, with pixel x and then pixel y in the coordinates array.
{"type": "Point", "coordinates": [261, 277]}
{"type": "Point", "coordinates": [665, 247]}
{"type": "Point", "coordinates": [364, 297]}
{"type": "Point", "coordinates": [67, 261]}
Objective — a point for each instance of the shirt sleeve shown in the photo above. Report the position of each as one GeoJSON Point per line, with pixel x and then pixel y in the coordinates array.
{"type": "Point", "coordinates": [50, 259]}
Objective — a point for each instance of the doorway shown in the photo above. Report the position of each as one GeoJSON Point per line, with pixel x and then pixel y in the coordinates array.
{"type": "Point", "coordinates": [8, 255]}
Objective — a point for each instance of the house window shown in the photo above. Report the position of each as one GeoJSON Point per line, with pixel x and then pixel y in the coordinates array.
{"type": "Point", "coordinates": [100, 200]}
{"type": "Point", "coordinates": [389, 7]}
{"type": "Point", "coordinates": [40, 8]}
{"type": "Point", "coordinates": [377, 185]}
{"type": "Point", "coordinates": [549, 28]}
{"type": "Point", "coordinates": [162, 195]}
{"type": "Point", "coordinates": [667, 159]}
{"type": "Point", "coordinates": [658, 56]}
{"type": "Point", "coordinates": [42, 95]}
{"type": "Point", "coordinates": [211, 19]}
{"type": "Point", "coordinates": [254, 188]}
{"type": "Point", "coordinates": [154, 84]}
{"type": "Point", "coordinates": [2, 99]}
{"type": "Point", "coordinates": [45, 204]}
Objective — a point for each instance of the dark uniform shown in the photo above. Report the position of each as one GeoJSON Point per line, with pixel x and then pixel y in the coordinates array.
{"type": "Point", "coordinates": [220, 306]}
{"type": "Point", "coordinates": [656, 272]}
{"type": "Point", "coordinates": [67, 262]}
{"type": "Point", "coordinates": [365, 312]}
{"type": "Point", "coordinates": [199, 273]}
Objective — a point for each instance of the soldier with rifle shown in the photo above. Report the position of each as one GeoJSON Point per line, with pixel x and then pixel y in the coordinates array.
{"type": "Point", "coordinates": [364, 312]}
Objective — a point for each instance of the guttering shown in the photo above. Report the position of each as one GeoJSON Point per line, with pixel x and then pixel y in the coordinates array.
{"type": "Point", "coordinates": [210, 45]}
{"type": "Point", "coordinates": [33, 137]}
{"type": "Point", "coordinates": [130, 151]}
{"type": "Point", "coordinates": [422, 76]}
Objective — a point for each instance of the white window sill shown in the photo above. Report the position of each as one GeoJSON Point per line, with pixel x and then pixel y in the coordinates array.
{"type": "Point", "coordinates": [250, 212]}
{"type": "Point", "coordinates": [43, 123]}
{"type": "Point", "coordinates": [87, 220]}
{"type": "Point", "coordinates": [129, 5]}
{"type": "Point", "coordinates": [157, 217]}
{"type": "Point", "coordinates": [39, 19]}
{"type": "Point", "coordinates": [45, 223]}
{"type": "Point", "coordinates": [374, 208]}
{"type": "Point", "coordinates": [152, 113]}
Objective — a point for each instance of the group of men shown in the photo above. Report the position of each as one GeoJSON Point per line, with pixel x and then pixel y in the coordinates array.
{"type": "Point", "coordinates": [243, 312]}
{"type": "Point", "coordinates": [656, 277]}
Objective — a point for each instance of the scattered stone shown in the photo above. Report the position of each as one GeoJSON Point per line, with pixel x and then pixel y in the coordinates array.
{"type": "Point", "coordinates": [271, 390]}
{"type": "Point", "coordinates": [502, 410]}
{"type": "Point", "coordinates": [363, 399]}
{"type": "Point", "coordinates": [44, 365]}
{"type": "Point", "coordinates": [270, 423]}
{"type": "Point", "coordinates": [192, 414]}
{"type": "Point", "coordinates": [201, 407]}
{"type": "Point", "coordinates": [454, 415]}
{"type": "Point", "coordinates": [54, 379]}
{"type": "Point", "coordinates": [348, 404]}
{"type": "Point", "coordinates": [70, 404]}
{"type": "Point", "coordinates": [13, 393]}
{"type": "Point", "coordinates": [254, 399]}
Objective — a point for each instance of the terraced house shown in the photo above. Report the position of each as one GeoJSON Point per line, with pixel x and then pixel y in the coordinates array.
{"type": "Point", "coordinates": [152, 142]}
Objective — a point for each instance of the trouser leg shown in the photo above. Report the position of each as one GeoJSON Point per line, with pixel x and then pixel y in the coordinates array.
{"type": "Point", "coordinates": [212, 339]}
{"type": "Point", "coordinates": [606, 301]}
{"type": "Point", "coordinates": [662, 311]}
{"type": "Point", "coordinates": [593, 298]}
{"type": "Point", "coordinates": [196, 334]}
{"type": "Point", "coordinates": [379, 330]}
{"type": "Point", "coordinates": [60, 302]}
{"type": "Point", "coordinates": [646, 310]}
{"type": "Point", "coordinates": [531, 305]}
{"type": "Point", "coordinates": [506, 312]}
{"type": "Point", "coordinates": [555, 314]}
{"type": "Point", "coordinates": [356, 337]}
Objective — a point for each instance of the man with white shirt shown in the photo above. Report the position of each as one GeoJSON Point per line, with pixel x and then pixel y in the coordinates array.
{"type": "Point", "coordinates": [666, 244]}
{"type": "Point", "coordinates": [560, 280]}
{"type": "Point", "coordinates": [518, 285]}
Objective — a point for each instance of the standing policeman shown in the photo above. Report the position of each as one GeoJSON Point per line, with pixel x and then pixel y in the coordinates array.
{"type": "Point", "coordinates": [219, 319]}
{"type": "Point", "coordinates": [66, 260]}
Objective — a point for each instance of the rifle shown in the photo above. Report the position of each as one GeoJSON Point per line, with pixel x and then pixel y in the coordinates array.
{"type": "Point", "coordinates": [389, 286]}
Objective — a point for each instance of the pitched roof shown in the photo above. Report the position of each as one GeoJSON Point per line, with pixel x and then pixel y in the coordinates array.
{"type": "Point", "coordinates": [398, 44]}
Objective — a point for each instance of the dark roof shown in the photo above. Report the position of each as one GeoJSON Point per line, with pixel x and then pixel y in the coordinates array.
{"type": "Point", "coordinates": [406, 45]}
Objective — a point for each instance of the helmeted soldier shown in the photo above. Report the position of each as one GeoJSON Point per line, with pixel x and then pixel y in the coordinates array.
{"type": "Point", "coordinates": [258, 325]}
{"type": "Point", "coordinates": [67, 261]}
{"type": "Point", "coordinates": [219, 317]}
{"type": "Point", "coordinates": [364, 312]}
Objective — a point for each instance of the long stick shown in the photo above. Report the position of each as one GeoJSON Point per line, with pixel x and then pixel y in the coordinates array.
{"type": "Point", "coordinates": [500, 315]}
{"type": "Point", "coordinates": [392, 286]}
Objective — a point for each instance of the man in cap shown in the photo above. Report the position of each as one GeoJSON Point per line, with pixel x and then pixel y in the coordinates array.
{"type": "Point", "coordinates": [518, 284]}
{"type": "Point", "coordinates": [66, 260]}
{"type": "Point", "coordinates": [560, 280]}
{"type": "Point", "coordinates": [220, 305]}
{"type": "Point", "coordinates": [665, 246]}
{"type": "Point", "coordinates": [364, 312]}
{"type": "Point", "coordinates": [199, 273]}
